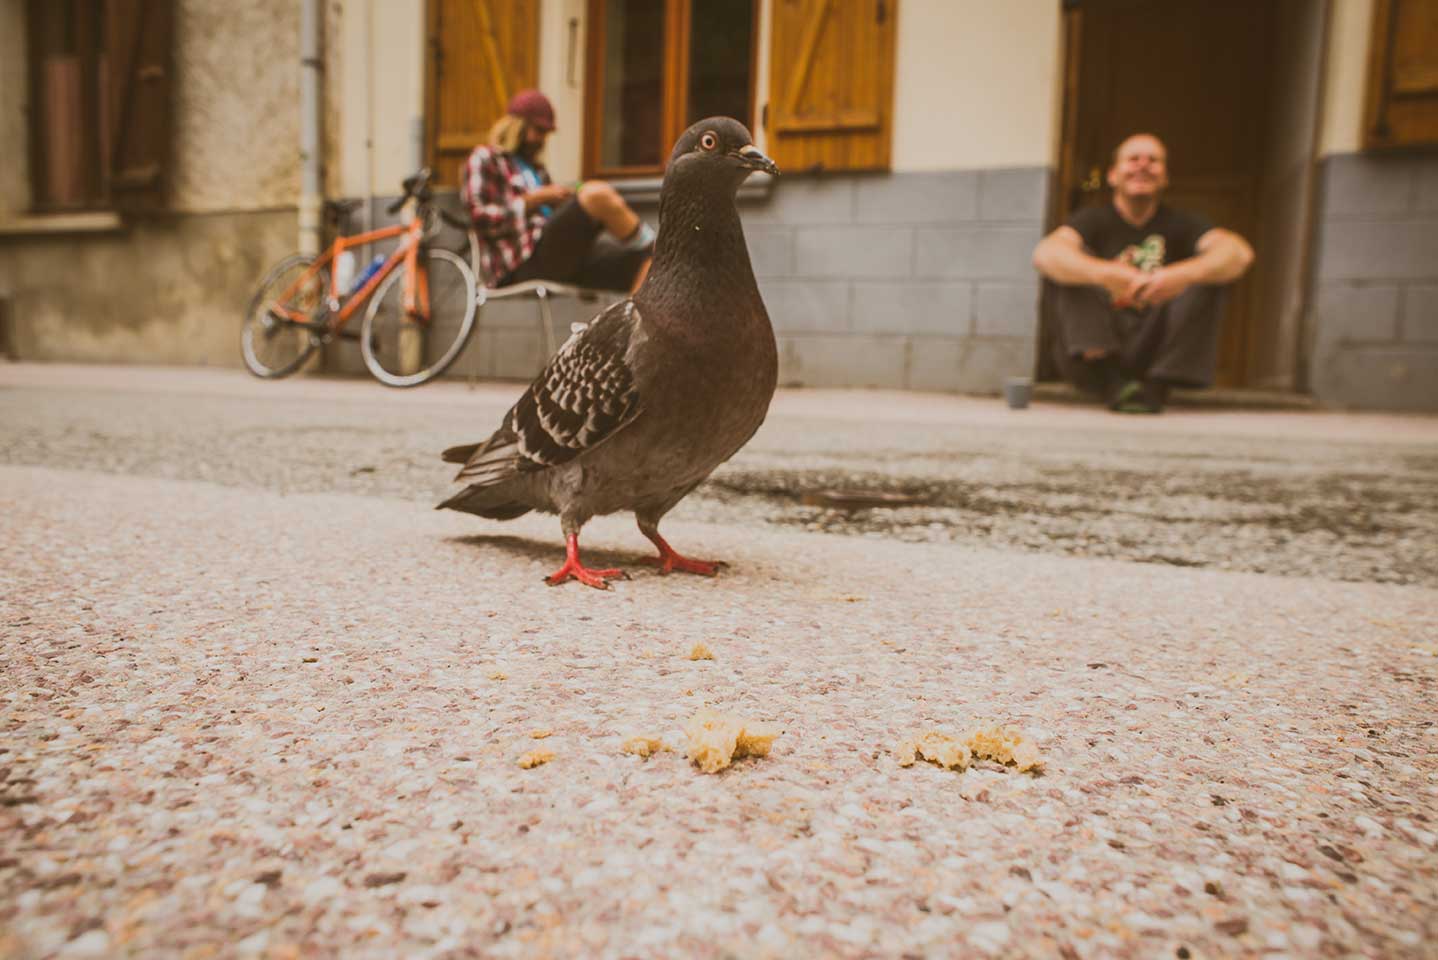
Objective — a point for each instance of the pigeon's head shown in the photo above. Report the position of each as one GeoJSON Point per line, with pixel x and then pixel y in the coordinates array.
{"type": "Point", "coordinates": [721, 148]}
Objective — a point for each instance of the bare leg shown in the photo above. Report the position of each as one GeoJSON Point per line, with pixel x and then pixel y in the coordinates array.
{"type": "Point", "coordinates": [643, 272]}
{"type": "Point", "coordinates": [602, 202]}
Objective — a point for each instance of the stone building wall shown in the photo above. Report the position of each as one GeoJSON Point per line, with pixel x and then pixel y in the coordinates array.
{"type": "Point", "coordinates": [1373, 313]}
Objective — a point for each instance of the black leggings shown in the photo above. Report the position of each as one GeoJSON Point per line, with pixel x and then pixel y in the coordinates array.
{"type": "Point", "coordinates": [566, 253]}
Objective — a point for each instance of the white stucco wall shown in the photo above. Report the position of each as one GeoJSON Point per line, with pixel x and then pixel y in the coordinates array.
{"type": "Point", "coordinates": [380, 105]}
{"type": "Point", "coordinates": [977, 84]}
{"type": "Point", "coordinates": [1347, 76]}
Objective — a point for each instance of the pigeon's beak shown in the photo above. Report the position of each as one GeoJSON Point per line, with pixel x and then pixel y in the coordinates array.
{"type": "Point", "coordinates": [753, 158]}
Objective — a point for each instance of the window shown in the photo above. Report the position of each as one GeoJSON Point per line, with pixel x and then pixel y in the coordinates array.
{"type": "Point", "coordinates": [99, 102]}
{"type": "Point", "coordinates": [67, 121]}
{"type": "Point", "coordinates": [656, 66]}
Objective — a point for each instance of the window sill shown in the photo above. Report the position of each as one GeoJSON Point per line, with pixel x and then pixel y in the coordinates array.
{"type": "Point", "coordinates": [49, 224]}
{"type": "Point", "coordinates": [642, 190]}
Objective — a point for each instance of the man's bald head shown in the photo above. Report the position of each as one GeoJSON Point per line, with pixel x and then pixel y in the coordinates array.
{"type": "Point", "coordinates": [1140, 167]}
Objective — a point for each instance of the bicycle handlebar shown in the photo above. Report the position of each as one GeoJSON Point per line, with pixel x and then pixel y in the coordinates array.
{"type": "Point", "coordinates": [415, 185]}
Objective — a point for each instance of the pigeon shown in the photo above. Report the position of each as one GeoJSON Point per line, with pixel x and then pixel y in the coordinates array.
{"type": "Point", "coordinates": [643, 401]}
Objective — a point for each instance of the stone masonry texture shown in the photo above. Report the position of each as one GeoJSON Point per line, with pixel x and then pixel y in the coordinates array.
{"type": "Point", "coordinates": [1373, 312]}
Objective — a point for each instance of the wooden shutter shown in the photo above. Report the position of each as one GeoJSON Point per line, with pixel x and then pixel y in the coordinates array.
{"type": "Point", "coordinates": [480, 53]}
{"type": "Point", "coordinates": [1402, 103]}
{"type": "Point", "coordinates": [831, 85]}
{"type": "Point", "coordinates": [139, 40]}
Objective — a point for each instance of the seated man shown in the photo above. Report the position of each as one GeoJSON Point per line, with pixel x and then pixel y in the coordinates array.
{"type": "Point", "coordinates": [530, 228]}
{"type": "Point", "coordinates": [1139, 287]}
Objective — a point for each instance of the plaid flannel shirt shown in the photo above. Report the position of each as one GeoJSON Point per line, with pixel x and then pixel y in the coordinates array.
{"type": "Point", "coordinates": [493, 189]}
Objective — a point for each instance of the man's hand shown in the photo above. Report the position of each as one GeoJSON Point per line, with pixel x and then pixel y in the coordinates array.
{"type": "Point", "coordinates": [1120, 280]}
{"type": "Point", "coordinates": [1160, 286]}
{"type": "Point", "coordinates": [551, 195]}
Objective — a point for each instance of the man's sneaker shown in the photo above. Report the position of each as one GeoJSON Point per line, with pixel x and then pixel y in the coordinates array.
{"type": "Point", "coordinates": [1124, 396]}
{"type": "Point", "coordinates": [1147, 396]}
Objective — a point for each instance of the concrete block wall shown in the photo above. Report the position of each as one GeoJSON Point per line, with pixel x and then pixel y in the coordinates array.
{"type": "Point", "coordinates": [1373, 319]}
{"type": "Point", "coordinates": [508, 340]}
{"type": "Point", "coordinates": [917, 281]}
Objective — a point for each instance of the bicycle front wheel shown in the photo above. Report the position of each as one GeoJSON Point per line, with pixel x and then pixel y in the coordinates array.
{"type": "Point", "coordinates": [402, 351]}
{"type": "Point", "coordinates": [272, 345]}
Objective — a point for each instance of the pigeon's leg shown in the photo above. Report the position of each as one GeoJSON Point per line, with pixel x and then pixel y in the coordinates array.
{"type": "Point", "coordinates": [670, 560]}
{"type": "Point", "coordinates": [573, 569]}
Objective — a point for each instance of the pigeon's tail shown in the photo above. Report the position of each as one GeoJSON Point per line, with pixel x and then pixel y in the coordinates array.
{"type": "Point", "coordinates": [492, 503]}
{"type": "Point", "coordinates": [461, 453]}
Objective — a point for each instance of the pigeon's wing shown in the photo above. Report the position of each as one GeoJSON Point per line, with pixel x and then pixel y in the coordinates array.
{"type": "Point", "coordinates": [584, 396]}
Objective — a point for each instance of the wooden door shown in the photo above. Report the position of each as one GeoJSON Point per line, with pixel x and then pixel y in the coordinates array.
{"type": "Point", "coordinates": [479, 53]}
{"type": "Point", "coordinates": [1196, 74]}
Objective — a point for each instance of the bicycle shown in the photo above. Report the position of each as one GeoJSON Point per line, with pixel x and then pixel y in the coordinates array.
{"type": "Point", "coordinates": [421, 301]}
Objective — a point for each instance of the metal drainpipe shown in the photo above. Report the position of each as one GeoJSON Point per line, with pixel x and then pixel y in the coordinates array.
{"type": "Point", "coordinates": [310, 71]}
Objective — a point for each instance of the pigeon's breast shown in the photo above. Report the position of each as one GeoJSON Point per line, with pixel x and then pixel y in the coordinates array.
{"type": "Point", "coordinates": [695, 414]}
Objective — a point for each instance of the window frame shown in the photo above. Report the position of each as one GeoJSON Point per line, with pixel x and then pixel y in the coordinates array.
{"type": "Point", "coordinates": [674, 83]}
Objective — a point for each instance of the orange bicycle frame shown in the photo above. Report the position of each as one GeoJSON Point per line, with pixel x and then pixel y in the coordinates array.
{"type": "Point", "coordinates": [416, 278]}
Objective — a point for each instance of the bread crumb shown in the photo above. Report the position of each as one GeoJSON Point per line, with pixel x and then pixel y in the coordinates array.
{"type": "Point", "coordinates": [991, 741]}
{"type": "Point", "coordinates": [535, 757]}
{"type": "Point", "coordinates": [497, 675]}
{"type": "Point", "coordinates": [935, 747]}
{"type": "Point", "coordinates": [717, 739]}
{"type": "Point", "coordinates": [645, 746]}
{"type": "Point", "coordinates": [701, 652]}
{"type": "Point", "coordinates": [540, 734]}
{"type": "Point", "coordinates": [1004, 744]}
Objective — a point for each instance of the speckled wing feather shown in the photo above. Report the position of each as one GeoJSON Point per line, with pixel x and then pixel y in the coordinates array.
{"type": "Point", "coordinates": [583, 397]}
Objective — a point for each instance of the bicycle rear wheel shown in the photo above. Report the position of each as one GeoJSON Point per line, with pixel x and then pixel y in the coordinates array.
{"type": "Point", "coordinates": [402, 352]}
{"type": "Point", "coordinates": [274, 346]}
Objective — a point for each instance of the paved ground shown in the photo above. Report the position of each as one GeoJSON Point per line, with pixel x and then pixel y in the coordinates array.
{"type": "Point", "coordinates": [252, 699]}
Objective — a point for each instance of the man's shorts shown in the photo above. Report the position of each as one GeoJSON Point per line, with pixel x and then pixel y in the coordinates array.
{"type": "Point", "coordinates": [567, 252]}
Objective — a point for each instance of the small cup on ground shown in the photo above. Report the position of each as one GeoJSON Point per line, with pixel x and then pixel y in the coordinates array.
{"type": "Point", "coordinates": [1018, 391]}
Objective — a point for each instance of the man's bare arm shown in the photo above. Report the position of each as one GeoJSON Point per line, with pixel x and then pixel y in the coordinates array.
{"type": "Point", "coordinates": [1223, 256]}
{"type": "Point", "coordinates": [1060, 256]}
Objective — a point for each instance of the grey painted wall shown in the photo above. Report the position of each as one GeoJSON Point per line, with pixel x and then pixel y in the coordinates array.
{"type": "Point", "coordinates": [917, 281]}
{"type": "Point", "coordinates": [1373, 317]}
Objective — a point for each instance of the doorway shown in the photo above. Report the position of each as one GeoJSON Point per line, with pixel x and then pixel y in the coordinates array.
{"type": "Point", "coordinates": [1232, 88]}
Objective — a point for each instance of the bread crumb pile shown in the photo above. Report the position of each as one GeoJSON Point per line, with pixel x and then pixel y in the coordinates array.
{"type": "Point", "coordinates": [717, 739]}
{"type": "Point", "coordinates": [535, 757]}
{"type": "Point", "coordinates": [701, 652]}
{"type": "Point", "coordinates": [991, 741]}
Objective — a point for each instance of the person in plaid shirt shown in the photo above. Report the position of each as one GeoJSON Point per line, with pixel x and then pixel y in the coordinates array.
{"type": "Point", "coordinates": [531, 228]}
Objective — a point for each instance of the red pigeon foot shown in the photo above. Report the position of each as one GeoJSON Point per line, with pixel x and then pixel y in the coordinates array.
{"type": "Point", "coordinates": [669, 560]}
{"type": "Point", "coordinates": [573, 569]}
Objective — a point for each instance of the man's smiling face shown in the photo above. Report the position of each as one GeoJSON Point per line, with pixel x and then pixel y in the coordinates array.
{"type": "Point", "coordinates": [1140, 167]}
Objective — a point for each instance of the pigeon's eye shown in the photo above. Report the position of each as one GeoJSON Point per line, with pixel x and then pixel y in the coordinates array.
{"type": "Point", "coordinates": [709, 141]}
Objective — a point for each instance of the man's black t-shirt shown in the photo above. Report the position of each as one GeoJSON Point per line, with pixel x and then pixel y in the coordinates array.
{"type": "Point", "coordinates": [1169, 236]}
